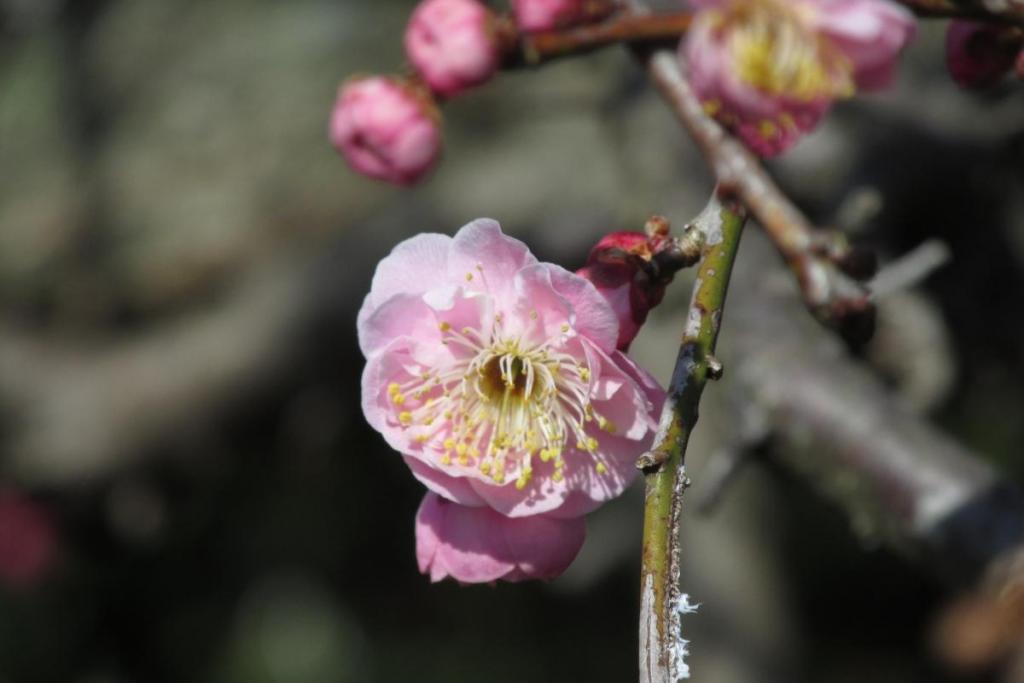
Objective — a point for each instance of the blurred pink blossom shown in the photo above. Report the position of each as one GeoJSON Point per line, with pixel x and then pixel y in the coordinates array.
{"type": "Point", "coordinates": [545, 15]}
{"type": "Point", "coordinates": [386, 129]}
{"type": "Point", "coordinates": [479, 545]}
{"type": "Point", "coordinates": [979, 54]}
{"type": "Point", "coordinates": [453, 44]}
{"type": "Point", "coordinates": [28, 540]}
{"type": "Point", "coordinates": [770, 69]}
{"type": "Point", "coordinates": [498, 380]}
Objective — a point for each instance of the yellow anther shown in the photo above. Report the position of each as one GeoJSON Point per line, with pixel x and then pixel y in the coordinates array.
{"type": "Point", "coordinates": [469, 277]}
{"type": "Point", "coordinates": [461, 450]}
{"type": "Point", "coordinates": [585, 374]}
{"type": "Point", "coordinates": [485, 467]}
{"type": "Point", "coordinates": [444, 326]}
{"type": "Point", "coordinates": [565, 327]}
{"type": "Point", "coordinates": [557, 476]}
{"type": "Point", "coordinates": [767, 128]}
{"type": "Point", "coordinates": [591, 444]}
{"type": "Point", "coordinates": [405, 417]}
{"type": "Point", "coordinates": [398, 399]}
{"type": "Point", "coordinates": [449, 443]}
{"type": "Point", "coordinates": [446, 459]}
{"type": "Point", "coordinates": [393, 388]}
{"type": "Point", "coordinates": [429, 421]}
{"type": "Point", "coordinates": [712, 107]}
{"type": "Point", "coordinates": [533, 314]}
{"type": "Point", "coordinates": [421, 438]}
{"type": "Point", "coordinates": [601, 469]}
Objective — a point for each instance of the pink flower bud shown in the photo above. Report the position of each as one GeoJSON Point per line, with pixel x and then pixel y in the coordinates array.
{"type": "Point", "coordinates": [453, 44]}
{"type": "Point", "coordinates": [545, 15]}
{"type": "Point", "coordinates": [386, 129]}
{"type": "Point", "coordinates": [479, 545]}
{"type": "Point", "coordinates": [28, 541]}
{"type": "Point", "coordinates": [617, 266]}
{"type": "Point", "coordinates": [978, 55]}
{"type": "Point", "coordinates": [769, 71]}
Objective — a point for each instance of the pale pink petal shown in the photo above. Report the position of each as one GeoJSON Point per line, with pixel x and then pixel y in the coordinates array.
{"type": "Point", "coordinates": [403, 315]}
{"type": "Point", "coordinates": [594, 318]}
{"type": "Point", "coordinates": [543, 547]}
{"type": "Point", "coordinates": [467, 544]}
{"type": "Point", "coordinates": [412, 267]}
{"type": "Point", "coordinates": [455, 489]}
{"type": "Point", "coordinates": [871, 33]}
{"type": "Point", "coordinates": [485, 259]}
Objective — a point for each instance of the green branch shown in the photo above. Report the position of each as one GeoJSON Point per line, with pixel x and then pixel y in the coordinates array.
{"type": "Point", "coordinates": [661, 647]}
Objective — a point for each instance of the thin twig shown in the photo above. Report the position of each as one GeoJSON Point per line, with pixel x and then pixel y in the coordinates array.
{"type": "Point", "coordinates": [661, 645]}
{"type": "Point", "coordinates": [816, 258]}
{"type": "Point", "coordinates": [536, 48]}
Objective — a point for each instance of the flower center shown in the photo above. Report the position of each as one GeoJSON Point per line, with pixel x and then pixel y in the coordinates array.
{"type": "Point", "coordinates": [502, 403]}
{"type": "Point", "coordinates": [775, 51]}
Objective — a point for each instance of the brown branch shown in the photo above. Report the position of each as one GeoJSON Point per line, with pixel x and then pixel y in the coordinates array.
{"type": "Point", "coordinates": [534, 49]}
{"type": "Point", "coordinates": [901, 481]}
{"type": "Point", "coordinates": [817, 259]}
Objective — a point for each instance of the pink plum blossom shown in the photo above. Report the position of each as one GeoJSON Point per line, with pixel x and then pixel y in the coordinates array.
{"type": "Point", "coordinates": [479, 545]}
{"type": "Point", "coordinates": [979, 54]}
{"type": "Point", "coordinates": [770, 69]}
{"type": "Point", "coordinates": [453, 44]}
{"type": "Point", "coordinates": [28, 540]}
{"type": "Point", "coordinates": [498, 380]}
{"type": "Point", "coordinates": [616, 266]}
{"type": "Point", "coordinates": [545, 15]}
{"type": "Point", "coordinates": [386, 129]}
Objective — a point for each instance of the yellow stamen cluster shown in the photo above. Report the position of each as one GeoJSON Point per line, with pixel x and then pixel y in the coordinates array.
{"type": "Point", "coordinates": [501, 402]}
{"type": "Point", "coordinates": [775, 50]}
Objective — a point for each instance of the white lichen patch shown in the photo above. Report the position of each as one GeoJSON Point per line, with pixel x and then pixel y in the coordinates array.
{"type": "Point", "coordinates": [680, 647]}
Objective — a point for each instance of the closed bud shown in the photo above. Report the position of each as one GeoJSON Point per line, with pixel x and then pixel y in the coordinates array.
{"type": "Point", "coordinates": [453, 44]}
{"type": "Point", "coordinates": [978, 54]}
{"type": "Point", "coordinates": [387, 129]}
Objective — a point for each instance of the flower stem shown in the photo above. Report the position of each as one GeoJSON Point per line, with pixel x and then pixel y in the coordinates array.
{"type": "Point", "coordinates": [533, 49]}
{"type": "Point", "coordinates": [661, 644]}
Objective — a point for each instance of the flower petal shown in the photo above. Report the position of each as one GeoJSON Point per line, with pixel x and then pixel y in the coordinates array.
{"type": "Point", "coordinates": [467, 544]}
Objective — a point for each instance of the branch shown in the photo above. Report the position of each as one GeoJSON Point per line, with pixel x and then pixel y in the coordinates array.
{"type": "Point", "coordinates": [1011, 11]}
{"type": "Point", "coordinates": [819, 260]}
{"type": "Point", "coordinates": [900, 481]}
{"type": "Point", "coordinates": [661, 645]}
{"type": "Point", "coordinates": [533, 49]}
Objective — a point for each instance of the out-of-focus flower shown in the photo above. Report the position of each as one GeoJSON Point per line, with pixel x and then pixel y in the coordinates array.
{"type": "Point", "coordinates": [386, 128]}
{"type": "Point", "coordinates": [28, 540]}
{"type": "Point", "coordinates": [453, 44]}
{"type": "Point", "coordinates": [770, 69]}
{"type": "Point", "coordinates": [545, 15]}
{"type": "Point", "coordinates": [618, 266]}
{"type": "Point", "coordinates": [479, 545]}
{"type": "Point", "coordinates": [498, 379]}
{"type": "Point", "coordinates": [980, 54]}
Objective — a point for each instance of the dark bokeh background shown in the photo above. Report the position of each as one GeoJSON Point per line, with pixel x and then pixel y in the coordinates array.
{"type": "Point", "coordinates": [181, 259]}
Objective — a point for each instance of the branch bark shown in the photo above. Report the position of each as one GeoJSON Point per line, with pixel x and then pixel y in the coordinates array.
{"type": "Point", "coordinates": [662, 648]}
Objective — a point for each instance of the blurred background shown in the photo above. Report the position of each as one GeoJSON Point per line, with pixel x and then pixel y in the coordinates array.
{"type": "Point", "coordinates": [188, 491]}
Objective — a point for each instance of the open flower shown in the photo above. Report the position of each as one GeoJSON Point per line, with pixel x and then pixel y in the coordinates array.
{"type": "Point", "coordinates": [386, 128]}
{"type": "Point", "coordinates": [770, 69]}
{"type": "Point", "coordinates": [498, 379]}
{"type": "Point", "coordinates": [453, 44]}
